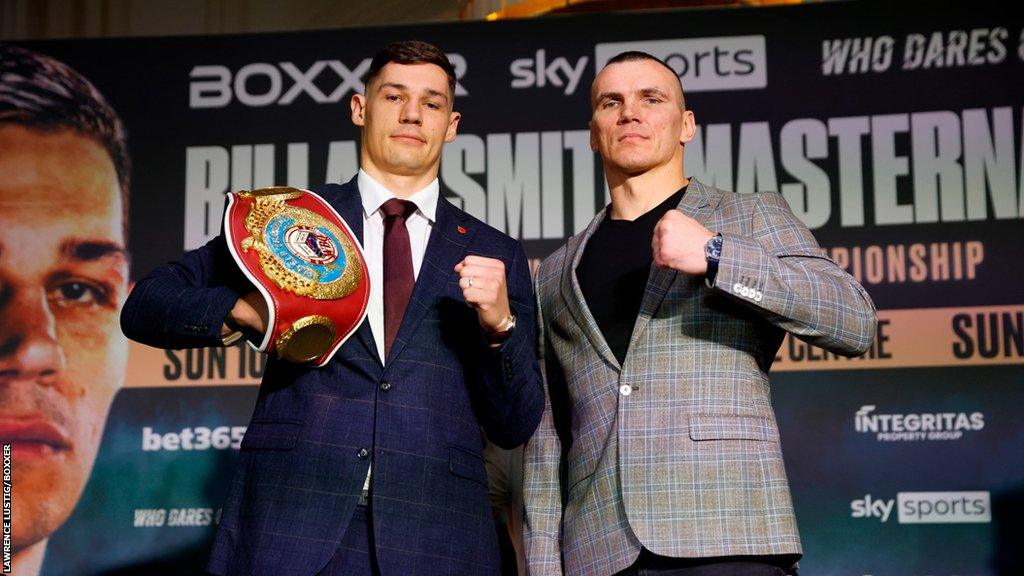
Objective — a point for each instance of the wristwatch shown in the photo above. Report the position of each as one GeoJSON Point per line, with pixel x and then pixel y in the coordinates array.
{"type": "Point", "coordinates": [506, 330]}
{"type": "Point", "coordinates": [713, 253]}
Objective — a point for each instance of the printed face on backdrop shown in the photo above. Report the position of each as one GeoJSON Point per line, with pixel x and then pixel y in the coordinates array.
{"type": "Point", "coordinates": [63, 280]}
{"type": "Point", "coordinates": [638, 122]}
{"type": "Point", "coordinates": [406, 117]}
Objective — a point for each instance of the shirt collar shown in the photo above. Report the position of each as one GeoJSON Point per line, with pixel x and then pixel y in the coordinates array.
{"type": "Point", "coordinates": [374, 194]}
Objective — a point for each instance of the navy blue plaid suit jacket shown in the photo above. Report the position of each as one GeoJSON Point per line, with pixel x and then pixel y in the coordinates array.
{"type": "Point", "coordinates": [299, 474]}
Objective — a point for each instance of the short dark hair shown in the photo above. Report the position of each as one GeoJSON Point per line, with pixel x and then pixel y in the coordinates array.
{"type": "Point", "coordinates": [45, 94]}
{"type": "Point", "coordinates": [412, 52]}
{"type": "Point", "coordinates": [636, 55]}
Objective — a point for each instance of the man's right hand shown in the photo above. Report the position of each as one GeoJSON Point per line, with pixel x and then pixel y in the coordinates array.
{"type": "Point", "coordinates": [678, 243]}
{"type": "Point", "coordinates": [249, 313]}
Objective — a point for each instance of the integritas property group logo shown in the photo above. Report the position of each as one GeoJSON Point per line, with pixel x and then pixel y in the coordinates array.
{"type": "Point", "coordinates": [917, 426]}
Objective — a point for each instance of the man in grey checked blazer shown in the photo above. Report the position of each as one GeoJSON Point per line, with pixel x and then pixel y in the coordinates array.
{"type": "Point", "coordinates": [664, 457]}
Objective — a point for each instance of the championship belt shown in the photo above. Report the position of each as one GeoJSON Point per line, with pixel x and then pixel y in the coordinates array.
{"type": "Point", "coordinates": [307, 264]}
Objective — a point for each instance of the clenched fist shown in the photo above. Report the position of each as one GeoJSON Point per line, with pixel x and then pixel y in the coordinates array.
{"type": "Point", "coordinates": [678, 243]}
{"type": "Point", "coordinates": [483, 285]}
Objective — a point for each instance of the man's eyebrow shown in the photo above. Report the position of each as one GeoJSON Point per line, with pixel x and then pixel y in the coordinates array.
{"type": "Point", "coordinates": [91, 250]}
{"type": "Point", "coordinates": [394, 85]}
{"type": "Point", "coordinates": [609, 95]}
{"type": "Point", "coordinates": [404, 88]}
{"type": "Point", "coordinates": [653, 90]}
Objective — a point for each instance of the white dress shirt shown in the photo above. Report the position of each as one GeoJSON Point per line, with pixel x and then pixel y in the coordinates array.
{"type": "Point", "coordinates": [419, 224]}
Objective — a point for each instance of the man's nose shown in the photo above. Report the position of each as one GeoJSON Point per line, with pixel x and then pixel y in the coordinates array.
{"type": "Point", "coordinates": [411, 113]}
{"type": "Point", "coordinates": [28, 338]}
{"type": "Point", "coordinates": [628, 112]}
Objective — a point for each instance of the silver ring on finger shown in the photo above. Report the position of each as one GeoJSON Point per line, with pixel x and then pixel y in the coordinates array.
{"type": "Point", "coordinates": [470, 281]}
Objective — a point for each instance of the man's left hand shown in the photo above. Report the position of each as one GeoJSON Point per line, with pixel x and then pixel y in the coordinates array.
{"type": "Point", "coordinates": [678, 243]}
{"type": "Point", "coordinates": [484, 286]}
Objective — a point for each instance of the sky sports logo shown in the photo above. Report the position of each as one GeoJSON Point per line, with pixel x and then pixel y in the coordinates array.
{"type": "Point", "coordinates": [927, 508]}
{"type": "Point", "coordinates": [703, 64]}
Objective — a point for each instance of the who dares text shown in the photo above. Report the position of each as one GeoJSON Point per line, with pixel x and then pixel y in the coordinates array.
{"type": "Point", "coordinates": [919, 51]}
{"type": "Point", "coordinates": [175, 517]}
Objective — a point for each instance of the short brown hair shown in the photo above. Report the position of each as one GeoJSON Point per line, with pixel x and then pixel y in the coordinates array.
{"type": "Point", "coordinates": [45, 94]}
{"type": "Point", "coordinates": [412, 52]}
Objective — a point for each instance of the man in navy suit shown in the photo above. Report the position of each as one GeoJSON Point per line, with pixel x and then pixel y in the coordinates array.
{"type": "Point", "coordinates": [373, 464]}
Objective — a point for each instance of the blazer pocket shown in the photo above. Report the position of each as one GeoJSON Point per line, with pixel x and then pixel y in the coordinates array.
{"type": "Point", "coordinates": [271, 435]}
{"type": "Point", "coordinates": [466, 464]}
{"type": "Point", "coordinates": [732, 427]}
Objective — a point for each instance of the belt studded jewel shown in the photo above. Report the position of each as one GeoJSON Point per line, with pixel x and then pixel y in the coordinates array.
{"type": "Point", "coordinates": [307, 264]}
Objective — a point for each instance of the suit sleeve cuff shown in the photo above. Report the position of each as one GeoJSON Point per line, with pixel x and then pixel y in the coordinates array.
{"type": "Point", "coordinates": [741, 269]}
{"type": "Point", "coordinates": [209, 325]}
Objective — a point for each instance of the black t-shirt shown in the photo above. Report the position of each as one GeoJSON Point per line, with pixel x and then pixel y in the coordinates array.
{"type": "Point", "coordinates": [614, 269]}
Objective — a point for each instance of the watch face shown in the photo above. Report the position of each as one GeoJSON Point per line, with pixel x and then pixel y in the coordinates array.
{"type": "Point", "coordinates": [713, 249]}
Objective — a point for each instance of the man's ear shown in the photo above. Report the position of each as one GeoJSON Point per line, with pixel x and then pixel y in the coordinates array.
{"type": "Point", "coordinates": [689, 128]}
{"type": "Point", "coordinates": [593, 136]}
{"type": "Point", "coordinates": [358, 105]}
{"type": "Point", "coordinates": [453, 126]}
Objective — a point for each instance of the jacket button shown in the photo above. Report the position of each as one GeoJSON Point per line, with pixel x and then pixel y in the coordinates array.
{"type": "Point", "coordinates": [625, 389]}
{"type": "Point", "coordinates": [363, 453]}
{"type": "Point", "coordinates": [385, 386]}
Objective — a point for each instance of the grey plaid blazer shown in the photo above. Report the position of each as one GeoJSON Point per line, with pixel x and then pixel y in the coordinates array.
{"type": "Point", "coordinates": [677, 450]}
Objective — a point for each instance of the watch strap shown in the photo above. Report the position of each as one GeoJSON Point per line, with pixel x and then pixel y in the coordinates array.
{"type": "Point", "coordinates": [713, 254]}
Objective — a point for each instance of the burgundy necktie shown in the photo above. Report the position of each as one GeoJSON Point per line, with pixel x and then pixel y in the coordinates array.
{"type": "Point", "coordinates": [398, 277]}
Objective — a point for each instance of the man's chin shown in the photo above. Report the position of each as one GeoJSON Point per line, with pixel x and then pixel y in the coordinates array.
{"type": "Point", "coordinates": [634, 168]}
{"type": "Point", "coordinates": [408, 165]}
{"type": "Point", "coordinates": [41, 506]}
{"type": "Point", "coordinates": [631, 161]}
{"type": "Point", "coordinates": [39, 532]}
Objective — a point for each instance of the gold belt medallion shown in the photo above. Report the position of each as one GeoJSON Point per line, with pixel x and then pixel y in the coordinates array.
{"type": "Point", "coordinates": [299, 250]}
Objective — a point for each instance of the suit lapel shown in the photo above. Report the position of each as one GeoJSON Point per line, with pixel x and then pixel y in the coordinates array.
{"type": "Point", "coordinates": [699, 204]}
{"type": "Point", "coordinates": [573, 294]}
{"type": "Point", "coordinates": [446, 246]}
{"type": "Point", "coordinates": [349, 205]}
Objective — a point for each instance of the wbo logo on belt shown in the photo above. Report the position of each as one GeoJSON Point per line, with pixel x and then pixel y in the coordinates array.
{"type": "Point", "coordinates": [307, 264]}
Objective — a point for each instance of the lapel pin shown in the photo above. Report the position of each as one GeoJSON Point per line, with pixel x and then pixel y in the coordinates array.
{"type": "Point", "coordinates": [460, 229]}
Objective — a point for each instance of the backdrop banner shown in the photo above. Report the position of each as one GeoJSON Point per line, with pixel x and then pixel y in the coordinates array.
{"type": "Point", "coordinates": [895, 132]}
